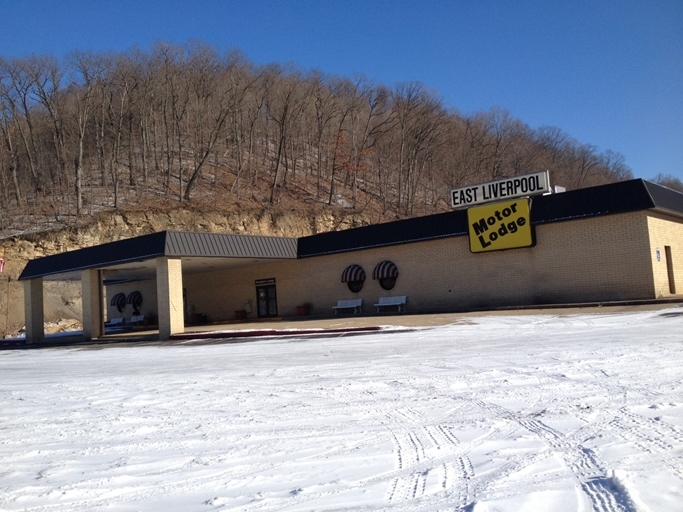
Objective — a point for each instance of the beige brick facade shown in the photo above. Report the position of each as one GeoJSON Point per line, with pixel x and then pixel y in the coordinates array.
{"type": "Point", "coordinates": [606, 258]}
{"type": "Point", "coordinates": [596, 259]}
{"type": "Point", "coordinates": [666, 231]}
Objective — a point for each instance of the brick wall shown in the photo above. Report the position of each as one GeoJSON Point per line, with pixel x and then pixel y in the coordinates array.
{"type": "Point", "coordinates": [596, 259]}
{"type": "Point", "coordinates": [666, 231]}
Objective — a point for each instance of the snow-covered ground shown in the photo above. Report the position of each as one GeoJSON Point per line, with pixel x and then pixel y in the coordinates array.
{"type": "Point", "coordinates": [499, 413]}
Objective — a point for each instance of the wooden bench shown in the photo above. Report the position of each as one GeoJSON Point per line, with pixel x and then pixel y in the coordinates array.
{"type": "Point", "coordinates": [399, 300]}
{"type": "Point", "coordinates": [355, 304]}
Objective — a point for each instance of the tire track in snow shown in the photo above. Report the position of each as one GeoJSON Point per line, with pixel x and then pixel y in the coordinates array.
{"type": "Point", "coordinates": [427, 457]}
{"type": "Point", "coordinates": [457, 471]}
{"type": "Point", "coordinates": [602, 493]}
{"type": "Point", "coordinates": [411, 442]}
{"type": "Point", "coordinates": [640, 426]}
{"type": "Point", "coordinates": [649, 435]}
{"type": "Point", "coordinates": [410, 452]}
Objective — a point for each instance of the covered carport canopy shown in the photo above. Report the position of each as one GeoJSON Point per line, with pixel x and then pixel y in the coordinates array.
{"type": "Point", "coordinates": [165, 255]}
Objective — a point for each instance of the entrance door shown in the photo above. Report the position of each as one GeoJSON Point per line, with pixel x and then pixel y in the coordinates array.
{"type": "Point", "coordinates": [670, 270]}
{"type": "Point", "coordinates": [267, 301]}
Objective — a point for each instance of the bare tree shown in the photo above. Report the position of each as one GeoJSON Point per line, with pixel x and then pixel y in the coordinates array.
{"type": "Point", "coordinates": [46, 76]}
{"type": "Point", "coordinates": [16, 97]}
{"type": "Point", "coordinates": [669, 181]}
{"type": "Point", "coordinates": [420, 117]}
{"type": "Point", "coordinates": [6, 125]}
{"type": "Point", "coordinates": [326, 109]}
{"type": "Point", "coordinates": [88, 72]}
{"type": "Point", "coordinates": [216, 91]}
{"type": "Point", "coordinates": [178, 114]}
{"type": "Point", "coordinates": [284, 104]}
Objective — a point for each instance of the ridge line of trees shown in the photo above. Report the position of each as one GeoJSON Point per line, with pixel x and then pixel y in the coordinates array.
{"type": "Point", "coordinates": [188, 124]}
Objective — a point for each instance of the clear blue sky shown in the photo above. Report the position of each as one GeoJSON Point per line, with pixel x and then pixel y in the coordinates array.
{"type": "Point", "coordinates": [608, 73]}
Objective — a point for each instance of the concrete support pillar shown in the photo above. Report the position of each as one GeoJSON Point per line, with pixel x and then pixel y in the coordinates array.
{"type": "Point", "coordinates": [171, 312]}
{"type": "Point", "coordinates": [33, 310]}
{"type": "Point", "coordinates": [93, 311]}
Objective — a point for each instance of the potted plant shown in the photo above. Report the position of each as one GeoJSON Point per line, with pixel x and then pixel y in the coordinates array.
{"type": "Point", "coordinates": [303, 309]}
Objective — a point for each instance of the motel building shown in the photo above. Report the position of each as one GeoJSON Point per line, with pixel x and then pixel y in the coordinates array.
{"type": "Point", "coordinates": [509, 243]}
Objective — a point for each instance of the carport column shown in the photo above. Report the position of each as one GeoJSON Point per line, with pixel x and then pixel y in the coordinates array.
{"type": "Point", "coordinates": [91, 285]}
{"type": "Point", "coordinates": [170, 297]}
{"type": "Point", "coordinates": [33, 310]}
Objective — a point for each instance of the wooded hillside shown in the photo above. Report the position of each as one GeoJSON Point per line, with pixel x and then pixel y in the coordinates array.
{"type": "Point", "coordinates": [187, 124]}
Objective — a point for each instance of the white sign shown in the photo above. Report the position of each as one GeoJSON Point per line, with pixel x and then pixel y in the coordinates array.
{"type": "Point", "coordinates": [518, 186]}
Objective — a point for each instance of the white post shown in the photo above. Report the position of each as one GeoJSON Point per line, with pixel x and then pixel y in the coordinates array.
{"type": "Point", "coordinates": [33, 310]}
{"type": "Point", "coordinates": [171, 312]}
{"type": "Point", "coordinates": [93, 313]}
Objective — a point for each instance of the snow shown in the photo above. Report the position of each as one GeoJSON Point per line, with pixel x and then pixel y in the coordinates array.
{"type": "Point", "coordinates": [502, 413]}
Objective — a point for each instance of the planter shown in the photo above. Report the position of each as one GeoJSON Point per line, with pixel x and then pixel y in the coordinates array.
{"type": "Point", "coordinates": [197, 318]}
{"type": "Point", "coordinates": [303, 310]}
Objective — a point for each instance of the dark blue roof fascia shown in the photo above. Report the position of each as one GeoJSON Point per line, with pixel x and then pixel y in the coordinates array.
{"type": "Point", "coordinates": [431, 227]}
{"type": "Point", "coordinates": [620, 197]}
{"type": "Point", "coordinates": [122, 251]}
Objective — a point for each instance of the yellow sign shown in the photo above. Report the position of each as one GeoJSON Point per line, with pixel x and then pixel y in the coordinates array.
{"type": "Point", "coordinates": [498, 226]}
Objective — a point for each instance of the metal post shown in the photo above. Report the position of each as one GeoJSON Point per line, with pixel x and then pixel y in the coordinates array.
{"type": "Point", "coordinates": [7, 308]}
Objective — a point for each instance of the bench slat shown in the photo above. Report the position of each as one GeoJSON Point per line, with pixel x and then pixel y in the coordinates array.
{"type": "Point", "coordinates": [355, 304]}
{"type": "Point", "coordinates": [398, 300]}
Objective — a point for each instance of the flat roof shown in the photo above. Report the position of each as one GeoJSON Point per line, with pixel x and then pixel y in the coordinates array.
{"type": "Point", "coordinates": [177, 244]}
{"type": "Point", "coordinates": [620, 197]}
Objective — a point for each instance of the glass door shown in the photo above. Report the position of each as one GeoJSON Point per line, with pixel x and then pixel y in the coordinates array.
{"type": "Point", "coordinates": [267, 301]}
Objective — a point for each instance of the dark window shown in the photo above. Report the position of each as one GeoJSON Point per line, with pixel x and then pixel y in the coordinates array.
{"type": "Point", "coordinates": [386, 273]}
{"type": "Point", "coordinates": [387, 283]}
{"type": "Point", "coordinates": [355, 286]}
